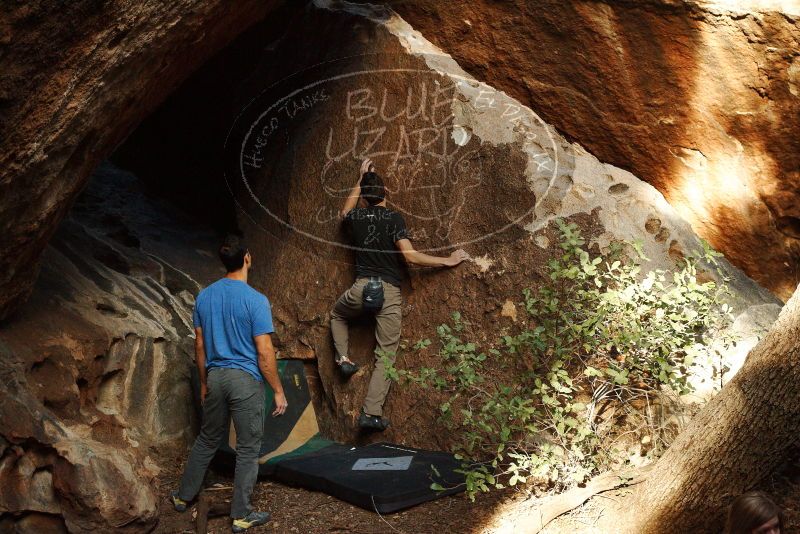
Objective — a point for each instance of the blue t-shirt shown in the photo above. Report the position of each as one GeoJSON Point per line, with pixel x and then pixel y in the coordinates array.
{"type": "Point", "coordinates": [231, 313]}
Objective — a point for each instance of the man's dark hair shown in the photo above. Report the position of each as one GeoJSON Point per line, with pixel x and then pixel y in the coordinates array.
{"type": "Point", "coordinates": [372, 188]}
{"type": "Point", "coordinates": [232, 253]}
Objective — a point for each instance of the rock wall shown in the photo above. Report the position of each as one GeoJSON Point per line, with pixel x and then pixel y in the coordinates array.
{"type": "Point", "coordinates": [466, 164]}
{"type": "Point", "coordinates": [700, 99]}
{"type": "Point", "coordinates": [76, 79]}
{"type": "Point", "coordinates": [95, 361]}
{"type": "Point", "coordinates": [96, 393]}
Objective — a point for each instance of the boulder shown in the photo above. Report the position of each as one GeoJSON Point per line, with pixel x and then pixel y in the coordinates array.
{"type": "Point", "coordinates": [699, 99]}
{"type": "Point", "coordinates": [97, 393]}
{"type": "Point", "coordinates": [39, 523]}
{"type": "Point", "coordinates": [468, 166]}
{"type": "Point", "coordinates": [77, 78]}
{"type": "Point", "coordinates": [96, 364]}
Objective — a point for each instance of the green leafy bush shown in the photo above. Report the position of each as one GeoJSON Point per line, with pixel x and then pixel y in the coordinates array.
{"type": "Point", "coordinates": [600, 331]}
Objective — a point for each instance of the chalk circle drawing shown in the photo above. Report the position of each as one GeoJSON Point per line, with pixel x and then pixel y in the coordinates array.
{"type": "Point", "coordinates": [405, 120]}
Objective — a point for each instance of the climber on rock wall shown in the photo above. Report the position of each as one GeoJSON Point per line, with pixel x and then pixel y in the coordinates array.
{"type": "Point", "coordinates": [380, 239]}
{"type": "Point", "coordinates": [233, 350]}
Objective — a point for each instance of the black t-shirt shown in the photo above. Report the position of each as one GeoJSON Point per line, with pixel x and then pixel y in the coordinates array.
{"type": "Point", "coordinates": [375, 230]}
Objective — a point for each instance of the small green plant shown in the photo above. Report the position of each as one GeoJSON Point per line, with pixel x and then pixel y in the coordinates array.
{"type": "Point", "coordinates": [599, 331]}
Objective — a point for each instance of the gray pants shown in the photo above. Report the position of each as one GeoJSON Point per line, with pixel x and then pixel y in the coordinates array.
{"type": "Point", "coordinates": [387, 335]}
{"type": "Point", "coordinates": [236, 393]}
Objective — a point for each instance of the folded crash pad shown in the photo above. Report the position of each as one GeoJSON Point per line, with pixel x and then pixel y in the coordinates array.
{"type": "Point", "coordinates": [294, 433]}
{"type": "Point", "coordinates": [381, 477]}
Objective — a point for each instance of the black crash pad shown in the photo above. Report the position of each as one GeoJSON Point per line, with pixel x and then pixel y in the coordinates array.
{"type": "Point", "coordinates": [381, 477]}
{"type": "Point", "coordinates": [293, 451]}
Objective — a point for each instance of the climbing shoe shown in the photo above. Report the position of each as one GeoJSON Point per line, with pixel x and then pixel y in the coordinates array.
{"type": "Point", "coordinates": [347, 368]}
{"type": "Point", "coordinates": [177, 503]}
{"type": "Point", "coordinates": [372, 422]}
{"type": "Point", "coordinates": [253, 519]}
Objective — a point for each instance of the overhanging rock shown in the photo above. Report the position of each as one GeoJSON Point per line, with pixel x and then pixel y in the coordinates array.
{"type": "Point", "coordinates": [467, 165]}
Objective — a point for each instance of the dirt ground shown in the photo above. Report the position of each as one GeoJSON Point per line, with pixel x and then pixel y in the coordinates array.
{"type": "Point", "coordinates": [299, 511]}
{"type": "Point", "coordinates": [784, 488]}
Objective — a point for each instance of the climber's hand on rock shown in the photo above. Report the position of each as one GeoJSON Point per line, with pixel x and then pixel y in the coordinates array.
{"type": "Point", "coordinates": [457, 257]}
{"type": "Point", "coordinates": [366, 166]}
{"type": "Point", "coordinates": [280, 404]}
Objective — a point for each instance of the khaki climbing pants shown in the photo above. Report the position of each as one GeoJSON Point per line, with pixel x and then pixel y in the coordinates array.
{"type": "Point", "coordinates": [387, 335]}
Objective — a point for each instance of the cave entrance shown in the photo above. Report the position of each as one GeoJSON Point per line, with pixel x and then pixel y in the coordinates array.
{"type": "Point", "coordinates": [164, 193]}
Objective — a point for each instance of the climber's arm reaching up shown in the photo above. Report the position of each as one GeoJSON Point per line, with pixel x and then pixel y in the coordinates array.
{"type": "Point", "coordinates": [414, 257]}
{"type": "Point", "coordinates": [355, 192]}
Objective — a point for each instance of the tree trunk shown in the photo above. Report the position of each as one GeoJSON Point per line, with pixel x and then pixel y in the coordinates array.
{"type": "Point", "coordinates": [736, 440]}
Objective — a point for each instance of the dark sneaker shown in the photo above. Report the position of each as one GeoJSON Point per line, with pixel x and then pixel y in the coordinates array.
{"type": "Point", "coordinates": [348, 369]}
{"type": "Point", "coordinates": [253, 519]}
{"type": "Point", "coordinates": [177, 503]}
{"type": "Point", "coordinates": [372, 422]}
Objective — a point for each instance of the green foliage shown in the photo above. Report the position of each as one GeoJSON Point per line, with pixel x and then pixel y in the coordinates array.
{"type": "Point", "coordinates": [600, 329]}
